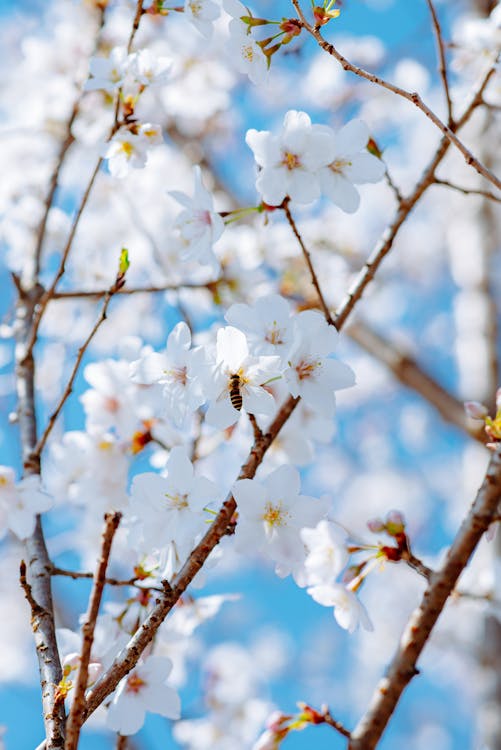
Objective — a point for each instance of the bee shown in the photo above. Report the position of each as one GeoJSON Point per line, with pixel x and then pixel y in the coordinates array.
{"type": "Point", "coordinates": [235, 384]}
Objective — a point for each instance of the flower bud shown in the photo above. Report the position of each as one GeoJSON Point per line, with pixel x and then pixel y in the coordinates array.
{"type": "Point", "coordinates": [475, 410]}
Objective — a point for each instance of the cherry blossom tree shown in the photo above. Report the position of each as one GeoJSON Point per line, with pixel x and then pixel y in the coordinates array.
{"type": "Point", "coordinates": [251, 457]}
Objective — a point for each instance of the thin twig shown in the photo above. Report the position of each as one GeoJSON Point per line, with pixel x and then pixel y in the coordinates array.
{"type": "Point", "coordinates": [258, 433]}
{"type": "Point", "coordinates": [335, 724]}
{"type": "Point", "coordinates": [92, 294]}
{"type": "Point", "coordinates": [76, 715]}
{"type": "Point", "coordinates": [69, 386]}
{"type": "Point", "coordinates": [54, 180]}
{"type": "Point", "coordinates": [307, 257]}
{"type": "Point", "coordinates": [416, 564]}
{"type": "Point", "coordinates": [404, 208]}
{"type": "Point", "coordinates": [394, 187]}
{"type": "Point", "coordinates": [122, 742]}
{"type": "Point", "coordinates": [442, 65]}
{"type": "Point", "coordinates": [48, 294]}
{"type": "Point", "coordinates": [448, 132]}
{"type": "Point", "coordinates": [87, 575]}
{"type": "Point", "coordinates": [66, 143]}
{"type": "Point", "coordinates": [468, 191]}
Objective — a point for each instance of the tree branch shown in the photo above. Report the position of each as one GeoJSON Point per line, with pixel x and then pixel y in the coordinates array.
{"type": "Point", "coordinates": [76, 715]}
{"type": "Point", "coordinates": [37, 451]}
{"type": "Point", "coordinates": [36, 551]}
{"type": "Point", "coordinates": [442, 66]}
{"type": "Point", "coordinates": [404, 208]}
{"type": "Point", "coordinates": [448, 132]}
{"type": "Point", "coordinates": [403, 665]}
{"type": "Point", "coordinates": [307, 257]}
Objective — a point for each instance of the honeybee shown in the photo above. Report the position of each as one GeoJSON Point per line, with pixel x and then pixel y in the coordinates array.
{"type": "Point", "coordinates": [235, 384]}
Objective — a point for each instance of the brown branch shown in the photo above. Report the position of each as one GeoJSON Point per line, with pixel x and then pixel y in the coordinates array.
{"type": "Point", "coordinates": [409, 373]}
{"type": "Point", "coordinates": [84, 294]}
{"type": "Point", "coordinates": [36, 609]}
{"type": "Point", "coordinates": [403, 665]}
{"type": "Point", "coordinates": [448, 132]}
{"type": "Point", "coordinates": [53, 184]}
{"type": "Point", "coordinates": [135, 25]}
{"type": "Point", "coordinates": [37, 451]}
{"type": "Point", "coordinates": [404, 208]}
{"type": "Point", "coordinates": [76, 715]}
{"type": "Point", "coordinates": [416, 564]}
{"type": "Point", "coordinates": [54, 180]}
{"type": "Point", "coordinates": [129, 656]}
{"type": "Point", "coordinates": [307, 257]}
{"type": "Point", "coordinates": [258, 433]}
{"type": "Point", "coordinates": [332, 722]}
{"type": "Point", "coordinates": [392, 185]}
{"type": "Point", "coordinates": [36, 551]}
{"type": "Point", "coordinates": [122, 742]}
{"type": "Point", "coordinates": [48, 294]}
{"type": "Point", "coordinates": [85, 575]}
{"type": "Point", "coordinates": [468, 191]}
{"type": "Point", "coordinates": [442, 65]}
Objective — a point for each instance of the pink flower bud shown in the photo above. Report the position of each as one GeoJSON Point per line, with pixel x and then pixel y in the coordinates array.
{"type": "Point", "coordinates": [375, 525]}
{"type": "Point", "coordinates": [476, 410]}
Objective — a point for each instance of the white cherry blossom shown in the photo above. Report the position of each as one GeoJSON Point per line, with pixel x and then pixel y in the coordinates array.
{"type": "Point", "coordinates": [349, 164]}
{"type": "Point", "coordinates": [112, 401]}
{"type": "Point", "coordinates": [348, 609]}
{"type": "Point", "coordinates": [267, 324]}
{"type": "Point", "coordinates": [148, 69]}
{"type": "Point", "coordinates": [199, 226]}
{"type": "Point", "coordinates": [327, 553]}
{"type": "Point", "coordinates": [290, 161]}
{"type": "Point", "coordinates": [169, 509]}
{"type": "Point", "coordinates": [202, 13]}
{"type": "Point", "coordinates": [144, 689]}
{"type": "Point", "coordinates": [176, 371]}
{"type": "Point", "coordinates": [125, 151]}
{"type": "Point", "coordinates": [243, 50]}
{"type": "Point", "coordinates": [271, 514]}
{"type": "Point", "coordinates": [312, 374]}
{"type": "Point", "coordinates": [108, 73]}
{"type": "Point", "coordinates": [233, 358]}
{"type": "Point", "coordinates": [20, 503]}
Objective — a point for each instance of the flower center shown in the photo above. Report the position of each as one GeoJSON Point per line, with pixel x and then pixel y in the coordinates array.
{"type": "Point", "coordinates": [177, 502]}
{"type": "Point", "coordinates": [112, 404]}
{"type": "Point", "coordinates": [134, 684]}
{"type": "Point", "coordinates": [105, 445]}
{"type": "Point", "coordinates": [338, 165]}
{"type": "Point", "coordinates": [195, 7]}
{"type": "Point", "coordinates": [127, 148]}
{"type": "Point", "coordinates": [248, 53]}
{"type": "Point", "coordinates": [291, 161]}
{"type": "Point", "coordinates": [178, 374]}
{"type": "Point", "coordinates": [275, 334]}
{"type": "Point", "coordinates": [306, 369]}
{"type": "Point", "coordinates": [275, 515]}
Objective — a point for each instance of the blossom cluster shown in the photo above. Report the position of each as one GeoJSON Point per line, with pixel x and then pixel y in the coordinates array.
{"type": "Point", "coordinates": [306, 160]}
